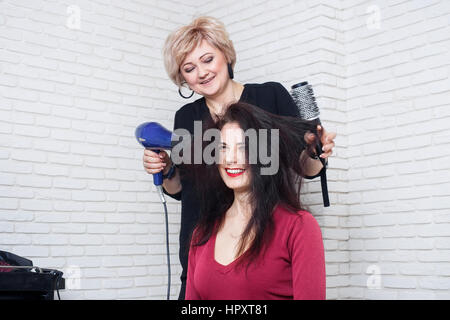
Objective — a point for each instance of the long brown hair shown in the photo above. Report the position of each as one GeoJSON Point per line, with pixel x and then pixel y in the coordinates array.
{"type": "Point", "coordinates": [266, 191]}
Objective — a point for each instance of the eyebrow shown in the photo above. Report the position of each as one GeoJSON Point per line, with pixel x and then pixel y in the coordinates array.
{"type": "Point", "coordinates": [198, 58]}
{"type": "Point", "coordinates": [239, 143]}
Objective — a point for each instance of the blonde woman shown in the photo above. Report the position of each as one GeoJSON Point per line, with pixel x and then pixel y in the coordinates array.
{"type": "Point", "coordinates": [201, 56]}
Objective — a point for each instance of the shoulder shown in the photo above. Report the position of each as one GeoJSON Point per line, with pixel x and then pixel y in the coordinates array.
{"type": "Point", "coordinates": [298, 220]}
{"type": "Point", "coordinates": [297, 230]}
{"type": "Point", "coordinates": [190, 107]}
{"type": "Point", "coordinates": [272, 97]}
{"type": "Point", "coordinates": [271, 85]}
{"type": "Point", "coordinates": [188, 113]}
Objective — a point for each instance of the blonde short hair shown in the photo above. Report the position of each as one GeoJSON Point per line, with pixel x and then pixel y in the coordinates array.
{"type": "Point", "coordinates": [185, 39]}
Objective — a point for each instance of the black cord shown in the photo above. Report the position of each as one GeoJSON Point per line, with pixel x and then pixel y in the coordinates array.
{"type": "Point", "coordinates": [57, 285]}
{"type": "Point", "coordinates": [167, 249]}
{"type": "Point", "coordinates": [57, 280]}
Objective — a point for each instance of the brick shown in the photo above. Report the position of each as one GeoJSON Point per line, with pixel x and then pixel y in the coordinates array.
{"type": "Point", "coordinates": [399, 231]}
{"type": "Point", "coordinates": [31, 251]}
{"type": "Point", "coordinates": [417, 269]}
{"type": "Point", "coordinates": [337, 234]}
{"type": "Point", "coordinates": [50, 239]}
{"type": "Point", "coordinates": [31, 131]}
{"type": "Point", "coordinates": [133, 293]}
{"type": "Point", "coordinates": [399, 282]}
{"type": "Point", "coordinates": [118, 261]}
{"type": "Point", "coordinates": [34, 181]}
{"type": "Point", "coordinates": [36, 205]}
{"type": "Point", "coordinates": [70, 228]}
{"type": "Point", "coordinates": [88, 196]}
{"type": "Point", "coordinates": [101, 162]}
{"type": "Point", "coordinates": [442, 269]}
{"type": "Point", "coordinates": [32, 228]}
{"type": "Point", "coordinates": [434, 256]}
{"type": "Point", "coordinates": [416, 295]}
{"type": "Point", "coordinates": [102, 229]}
{"type": "Point", "coordinates": [15, 192]}
{"type": "Point", "coordinates": [104, 185]}
{"type": "Point", "coordinates": [133, 229]}
{"type": "Point", "coordinates": [15, 239]}
{"type": "Point", "coordinates": [86, 173]}
{"type": "Point", "coordinates": [379, 244]}
{"type": "Point", "coordinates": [6, 227]}
{"type": "Point", "coordinates": [53, 170]}
{"type": "Point", "coordinates": [118, 283]}
{"type": "Point", "coordinates": [122, 196]}
{"type": "Point", "coordinates": [119, 239]}
{"type": "Point", "coordinates": [74, 68]}
{"type": "Point", "coordinates": [66, 112]}
{"type": "Point", "coordinates": [84, 262]}
{"type": "Point", "coordinates": [100, 207]}
{"type": "Point", "coordinates": [435, 283]}
{"type": "Point", "coordinates": [86, 217]}
{"type": "Point", "coordinates": [9, 81]}
{"type": "Point", "coordinates": [52, 217]}
{"type": "Point", "coordinates": [83, 239]}
{"type": "Point", "coordinates": [434, 230]}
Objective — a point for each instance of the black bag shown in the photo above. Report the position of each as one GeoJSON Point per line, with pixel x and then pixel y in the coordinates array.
{"type": "Point", "coordinates": [20, 280]}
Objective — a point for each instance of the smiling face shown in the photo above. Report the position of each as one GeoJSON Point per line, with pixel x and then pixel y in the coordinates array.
{"type": "Point", "coordinates": [205, 70]}
{"type": "Point", "coordinates": [233, 167]}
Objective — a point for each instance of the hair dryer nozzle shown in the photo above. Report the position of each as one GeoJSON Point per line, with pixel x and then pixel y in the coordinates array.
{"type": "Point", "coordinates": [152, 135]}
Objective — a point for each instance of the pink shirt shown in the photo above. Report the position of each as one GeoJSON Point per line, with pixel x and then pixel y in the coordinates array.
{"type": "Point", "coordinates": [293, 266]}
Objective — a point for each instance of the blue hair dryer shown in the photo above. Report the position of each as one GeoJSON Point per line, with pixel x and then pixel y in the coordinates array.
{"type": "Point", "coordinates": [152, 135]}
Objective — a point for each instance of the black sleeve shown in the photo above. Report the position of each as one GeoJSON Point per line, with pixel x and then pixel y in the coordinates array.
{"type": "Point", "coordinates": [176, 125]}
{"type": "Point", "coordinates": [285, 104]}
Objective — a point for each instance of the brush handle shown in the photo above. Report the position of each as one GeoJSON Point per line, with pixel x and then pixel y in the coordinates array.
{"type": "Point", "coordinates": [323, 176]}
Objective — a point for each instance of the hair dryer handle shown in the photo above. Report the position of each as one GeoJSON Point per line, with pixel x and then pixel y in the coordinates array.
{"type": "Point", "coordinates": [157, 177]}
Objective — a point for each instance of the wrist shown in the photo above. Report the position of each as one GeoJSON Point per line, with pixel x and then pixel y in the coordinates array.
{"type": "Point", "coordinates": [166, 169]}
{"type": "Point", "coordinates": [170, 172]}
{"type": "Point", "coordinates": [169, 165]}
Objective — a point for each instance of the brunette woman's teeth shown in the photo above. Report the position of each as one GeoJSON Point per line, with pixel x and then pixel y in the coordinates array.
{"type": "Point", "coordinates": [234, 171]}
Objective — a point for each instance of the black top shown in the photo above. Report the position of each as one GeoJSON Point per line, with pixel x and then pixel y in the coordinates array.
{"type": "Point", "coordinates": [269, 96]}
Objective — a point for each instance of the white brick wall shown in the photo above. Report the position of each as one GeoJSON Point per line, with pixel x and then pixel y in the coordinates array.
{"type": "Point", "coordinates": [384, 87]}
{"type": "Point", "coordinates": [74, 196]}
{"type": "Point", "coordinates": [397, 90]}
{"type": "Point", "coordinates": [73, 193]}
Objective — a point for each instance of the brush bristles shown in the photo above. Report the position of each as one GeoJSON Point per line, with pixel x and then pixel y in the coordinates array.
{"type": "Point", "coordinates": [303, 97]}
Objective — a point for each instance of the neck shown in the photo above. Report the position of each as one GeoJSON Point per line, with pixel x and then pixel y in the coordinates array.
{"type": "Point", "coordinates": [231, 93]}
{"type": "Point", "coordinates": [241, 206]}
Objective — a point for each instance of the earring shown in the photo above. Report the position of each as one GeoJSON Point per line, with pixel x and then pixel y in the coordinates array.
{"type": "Point", "coordinates": [179, 92]}
{"type": "Point", "coordinates": [230, 71]}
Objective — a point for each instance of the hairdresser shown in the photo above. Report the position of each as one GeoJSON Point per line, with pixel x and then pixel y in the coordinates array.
{"type": "Point", "coordinates": [201, 57]}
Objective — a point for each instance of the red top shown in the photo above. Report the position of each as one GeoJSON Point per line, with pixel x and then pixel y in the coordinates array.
{"type": "Point", "coordinates": [293, 266]}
